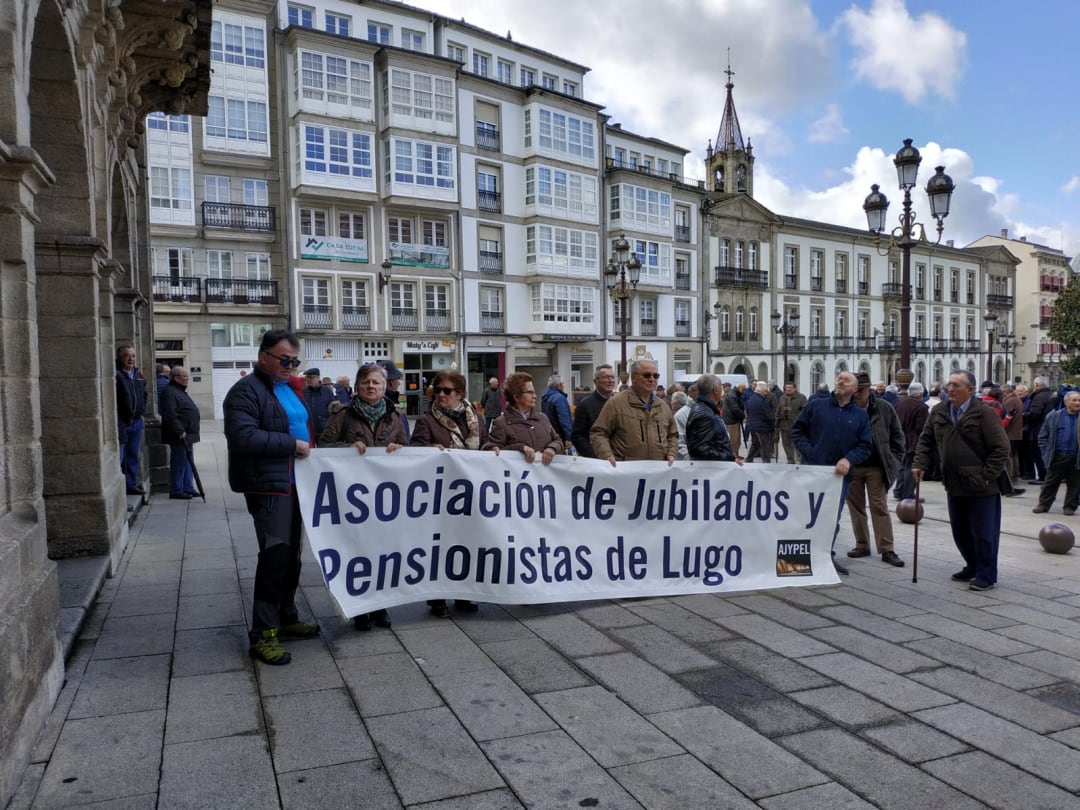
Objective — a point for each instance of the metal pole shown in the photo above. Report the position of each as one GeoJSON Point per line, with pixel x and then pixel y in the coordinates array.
{"type": "Point", "coordinates": [990, 358]}
{"type": "Point", "coordinates": [905, 282]}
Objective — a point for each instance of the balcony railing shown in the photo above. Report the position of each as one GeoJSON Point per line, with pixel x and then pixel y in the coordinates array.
{"type": "Point", "coordinates": [864, 288]}
{"type": "Point", "coordinates": [937, 295]}
{"type": "Point", "coordinates": [490, 201]}
{"type": "Point", "coordinates": [491, 261]}
{"type": "Point", "coordinates": [841, 285]}
{"type": "Point", "coordinates": [682, 329]}
{"type": "Point", "coordinates": [867, 344]}
{"type": "Point", "coordinates": [403, 319]}
{"type": "Point", "coordinates": [241, 217]}
{"type": "Point", "coordinates": [648, 327]}
{"type": "Point", "coordinates": [682, 233]}
{"type": "Point", "coordinates": [317, 316]}
{"type": "Point", "coordinates": [492, 323]}
{"type": "Point", "coordinates": [920, 293]}
{"type": "Point", "coordinates": [437, 320]}
{"type": "Point", "coordinates": [682, 281]}
{"type": "Point", "coordinates": [1046, 321]}
{"type": "Point", "coordinates": [177, 289]}
{"type": "Point", "coordinates": [817, 343]}
{"type": "Point", "coordinates": [796, 343]}
{"type": "Point", "coordinates": [940, 345]}
{"type": "Point", "coordinates": [791, 282]}
{"type": "Point", "coordinates": [740, 337]}
{"type": "Point", "coordinates": [613, 164]}
{"type": "Point", "coordinates": [725, 336]}
{"type": "Point", "coordinates": [954, 296]}
{"type": "Point", "coordinates": [971, 298]}
{"type": "Point", "coordinates": [487, 138]}
{"type": "Point", "coordinates": [994, 300]}
{"type": "Point", "coordinates": [241, 291]}
{"type": "Point", "coordinates": [843, 344]}
{"type": "Point", "coordinates": [754, 337]}
{"type": "Point", "coordinates": [740, 277]}
{"type": "Point", "coordinates": [816, 284]}
{"type": "Point", "coordinates": [356, 318]}
{"type": "Point", "coordinates": [892, 289]}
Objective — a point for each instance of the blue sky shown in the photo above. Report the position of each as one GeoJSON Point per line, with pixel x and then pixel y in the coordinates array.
{"type": "Point", "coordinates": [827, 91]}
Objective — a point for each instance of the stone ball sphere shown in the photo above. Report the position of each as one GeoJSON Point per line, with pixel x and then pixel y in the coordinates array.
{"type": "Point", "coordinates": [1056, 538]}
{"type": "Point", "coordinates": [909, 511]}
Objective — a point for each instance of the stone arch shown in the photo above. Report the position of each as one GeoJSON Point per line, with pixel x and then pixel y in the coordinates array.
{"type": "Point", "coordinates": [817, 374]}
{"type": "Point", "coordinates": [762, 371]}
{"type": "Point", "coordinates": [718, 367]}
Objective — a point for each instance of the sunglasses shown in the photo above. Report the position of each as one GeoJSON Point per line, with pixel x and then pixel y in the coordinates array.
{"type": "Point", "coordinates": [649, 376]}
{"type": "Point", "coordinates": [445, 391]}
{"type": "Point", "coordinates": [285, 360]}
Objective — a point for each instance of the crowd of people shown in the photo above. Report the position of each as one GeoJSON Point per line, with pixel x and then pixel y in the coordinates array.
{"type": "Point", "coordinates": [977, 442]}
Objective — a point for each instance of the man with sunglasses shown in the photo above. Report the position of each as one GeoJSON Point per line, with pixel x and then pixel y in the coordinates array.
{"type": "Point", "coordinates": [267, 426]}
{"type": "Point", "coordinates": [635, 424]}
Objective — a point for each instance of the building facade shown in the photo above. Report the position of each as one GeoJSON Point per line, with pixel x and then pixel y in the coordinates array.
{"type": "Point", "coordinates": [76, 82]}
{"type": "Point", "coordinates": [1042, 273]}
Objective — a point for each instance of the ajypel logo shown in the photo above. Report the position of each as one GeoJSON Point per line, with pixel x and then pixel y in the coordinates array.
{"type": "Point", "coordinates": [793, 558]}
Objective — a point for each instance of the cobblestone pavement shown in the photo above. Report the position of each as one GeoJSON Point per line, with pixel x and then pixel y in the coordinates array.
{"type": "Point", "coordinates": [877, 692]}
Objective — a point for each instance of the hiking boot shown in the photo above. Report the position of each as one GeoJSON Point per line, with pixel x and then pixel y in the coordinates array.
{"type": "Point", "coordinates": [267, 648]}
{"type": "Point", "coordinates": [299, 629]}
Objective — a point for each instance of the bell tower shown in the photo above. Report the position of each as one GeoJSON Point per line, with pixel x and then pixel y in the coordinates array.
{"type": "Point", "coordinates": [729, 165]}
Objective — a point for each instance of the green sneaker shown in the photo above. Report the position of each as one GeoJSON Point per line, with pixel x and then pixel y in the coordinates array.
{"type": "Point", "coordinates": [267, 648]}
{"type": "Point", "coordinates": [299, 630]}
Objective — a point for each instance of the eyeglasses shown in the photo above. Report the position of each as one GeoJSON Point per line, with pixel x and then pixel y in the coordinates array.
{"type": "Point", "coordinates": [648, 375]}
{"type": "Point", "coordinates": [285, 360]}
{"type": "Point", "coordinates": [446, 391]}
{"type": "Point", "coordinates": [530, 391]}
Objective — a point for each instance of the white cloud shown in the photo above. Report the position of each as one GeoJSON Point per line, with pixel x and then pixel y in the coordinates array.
{"type": "Point", "coordinates": [829, 128]}
{"type": "Point", "coordinates": [915, 56]}
{"type": "Point", "coordinates": [1072, 185]}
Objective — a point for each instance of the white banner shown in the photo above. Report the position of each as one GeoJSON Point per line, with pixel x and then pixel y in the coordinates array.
{"type": "Point", "coordinates": [389, 529]}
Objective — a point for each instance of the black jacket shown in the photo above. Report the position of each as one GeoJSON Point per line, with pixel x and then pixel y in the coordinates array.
{"type": "Point", "coordinates": [261, 449]}
{"type": "Point", "coordinates": [318, 403]}
{"type": "Point", "coordinates": [734, 412]}
{"type": "Point", "coordinates": [130, 397]}
{"type": "Point", "coordinates": [584, 415]}
{"type": "Point", "coordinates": [973, 452]}
{"type": "Point", "coordinates": [706, 434]}
{"type": "Point", "coordinates": [179, 414]}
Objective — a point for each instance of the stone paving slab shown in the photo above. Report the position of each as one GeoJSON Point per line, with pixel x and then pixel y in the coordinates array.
{"type": "Point", "coordinates": [913, 741]}
{"type": "Point", "coordinates": [209, 610]}
{"type": "Point", "coordinates": [315, 729]}
{"type": "Point", "coordinates": [213, 649]}
{"type": "Point", "coordinates": [1044, 639]}
{"type": "Point", "coordinates": [1005, 671]}
{"type": "Point", "coordinates": [682, 623]}
{"type": "Point", "coordinates": [831, 796]}
{"type": "Point", "coordinates": [882, 780]}
{"type": "Point", "coordinates": [571, 636]}
{"type": "Point", "coordinates": [126, 758]}
{"type": "Point", "coordinates": [140, 600]}
{"type": "Point", "coordinates": [116, 685]}
{"type": "Point", "coordinates": [891, 656]}
{"type": "Point", "coordinates": [1042, 756]}
{"type": "Point", "coordinates": [776, 609]}
{"type": "Point", "coordinates": [999, 784]}
{"type": "Point", "coordinates": [337, 787]}
{"type": "Point", "coordinates": [430, 756]}
{"type": "Point", "coordinates": [553, 771]}
{"type": "Point", "coordinates": [878, 626]}
{"type": "Point", "coordinates": [221, 704]}
{"type": "Point", "coordinates": [662, 649]}
{"type": "Point", "coordinates": [639, 683]}
{"type": "Point", "coordinates": [611, 732]}
{"type": "Point", "coordinates": [782, 674]}
{"type": "Point", "coordinates": [1023, 709]}
{"type": "Point", "coordinates": [752, 763]}
{"type": "Point", "coordinates": [678, 781]}
{"type": "Point", "coordinates": [902, 693]}
{"type": "Point", "coordinates": [490, 705]}
{"type": "Point", "coordinates": [312, 670]}
{"type": "Point", "coordinates": [129, 636]}
{"type": "Point", "coordinates": [384, 684]}
{"type": "Point", "coordinates": [443, 649]}
{"type": "Point", "coordinates": [771, 634]}
{"type": "Point", "coordinates": [989, 642]}
{"type": "Point", "coordinates": [487, 800]}
{"type": "Point", "coordinates": [534, 665]}
{"type": "Point", "coordinates": [223, 772]}
{"type": "Point", "coordinates": [846, 707]}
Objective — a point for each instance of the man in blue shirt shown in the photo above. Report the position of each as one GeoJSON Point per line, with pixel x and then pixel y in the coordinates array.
{"type": "Point", "coordinates": [267, 426]}
{"type": "Point", "coordinates": [1061, 453]}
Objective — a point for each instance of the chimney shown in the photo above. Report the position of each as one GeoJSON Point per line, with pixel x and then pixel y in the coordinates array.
{"type": "Point", "coordinates": [1023, 238]}
{"type": "Point", "coordinates": [1004, 233]}
{"type": "Point", "coordinates": [950, 243]}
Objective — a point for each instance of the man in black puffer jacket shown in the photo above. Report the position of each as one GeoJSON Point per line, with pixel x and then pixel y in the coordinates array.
{"type": "Point", "coordinates": [267, 425]}
{"type": "Point", "coordinates": [706, 434]}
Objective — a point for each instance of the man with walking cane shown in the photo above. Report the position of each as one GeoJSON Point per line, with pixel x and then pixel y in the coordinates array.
{"type": "Point", "coordinates": [180, 430]}
{"type": "Point", "coordinates": [973, 450]}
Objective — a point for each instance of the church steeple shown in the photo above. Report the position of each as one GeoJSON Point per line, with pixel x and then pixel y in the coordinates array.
{"type": "Point", "coordinates": [730, 164]}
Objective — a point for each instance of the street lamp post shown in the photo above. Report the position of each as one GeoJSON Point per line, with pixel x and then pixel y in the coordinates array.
{"type": "Point", "coordinates": [621, 275]}
{"type": "Point", "coordinates": [785, 325]}
{"type": "Point", "coordinates": [1008, 343]}
{"type": "Point", "coordinates": [990, 319]}
{"type": "Point", "coordinates": [939, 189]}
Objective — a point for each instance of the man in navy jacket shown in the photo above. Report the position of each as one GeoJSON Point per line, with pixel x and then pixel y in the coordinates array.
{"type": "Point", "coordinates": [834, 432]}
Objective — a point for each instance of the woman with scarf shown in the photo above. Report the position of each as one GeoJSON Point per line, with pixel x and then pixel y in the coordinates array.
{"type": "Point", "coordinates": [370, 420]}
{"type": "Point", "coordinates": [450, 423]}
{"type": "Point", "coordinates": [523, 426]}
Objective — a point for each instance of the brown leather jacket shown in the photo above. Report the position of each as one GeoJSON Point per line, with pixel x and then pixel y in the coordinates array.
{"type": "Point", "coordinates": [512, 431]}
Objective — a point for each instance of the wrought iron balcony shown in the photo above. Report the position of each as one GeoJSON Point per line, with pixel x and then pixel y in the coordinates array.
{"type": "Point", "coordinates": [940, 345]}
{"type": "Point", "coordinates": [487, 137]}
{"type": "Point", "coordinates": [954, 296]}
{"type": "Point", "coordinates": [682, 233]}
{"type": "Point", "coordinates": [937, 295]}
{"type": "Point", "coordinates": [682, 329]}
{"type": "Point", "coordinates": [403, 319]}
{"type": "Point", "coordinates": [491, 261]}
{"type": "Point", "coordinates": [241, 291]}
{"type": "Point", "coordinates": [725, 336]}
{"type": "Point", "coordinates": [816, 284]}
{"type": "Point", "coordinates": [754, 337]}
{"type": "Point", "coordinates": [920, 293]}
{"type": "Point", "coordinates": [177, 289]}
{"type": "Point", "coordinates": [1003, 301]}
{"type": "Point", "coordinates": [893, 289]}
{"type": "Point", "coordinates": [843, 344]}
{"type": "Point", "coordinates": [863, 288]}
{"type": "Point", "coordinates": [740, 337]}
{"type": "Point", "coordinates": [971, 298]}
{"type": "Point", "coordinates": [682, 281]}
{"type": "Point", "coordinates": [791, 282]}
{"type": "Point", "coordinates": [796, 343]}
{"type": "Point", "coordinates": [648, 327]}
{"type": "Point", "coordinates": [841, 285]}
{"type": "Point", "coordinates": [356, 318]}
{"type": "Point", "coordinates": [490, 201]}
{"type": "Point", "coordinates": [437, 320]}
{"type": "Point", "coordinates": [492, 323]}
{"type": "Point", "coordinates": [241, 217]}
{"type": "Point", "coordinates": [867, 344]}
{"type": "Point", "coordinates": [817, 343]}
{"type": "Point", "coordinates": [740, 277]}
{"type": "Point", "coordinates": [317, 316]}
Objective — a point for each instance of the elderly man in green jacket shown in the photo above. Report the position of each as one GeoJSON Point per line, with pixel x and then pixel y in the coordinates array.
{"type": "Point", "coordinates": [635, 424]}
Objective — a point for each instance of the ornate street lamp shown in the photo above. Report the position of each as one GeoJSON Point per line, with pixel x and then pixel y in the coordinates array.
{"type": "Point", "coordinates": [939, 189]}
{"type": "Point", "coordinates": [786, 325]}
{"type": "Point", "coordinates": [621, 275]}
{"type": "Point", "coordinates": [384, 274]}
{"type": "Point", "coordinates": [1008, 344]}
{"type": "Point", "coordinates": [990, 319]}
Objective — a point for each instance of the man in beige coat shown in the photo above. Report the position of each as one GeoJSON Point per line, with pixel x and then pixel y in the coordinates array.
{"type": "Point", "coordinates": [635, 424]}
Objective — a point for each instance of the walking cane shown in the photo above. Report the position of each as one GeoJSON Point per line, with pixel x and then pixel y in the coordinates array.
{"type": "Point", "coordinates": [915, 554]}
{"type": "Point", "coordinates": [195, 471]}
